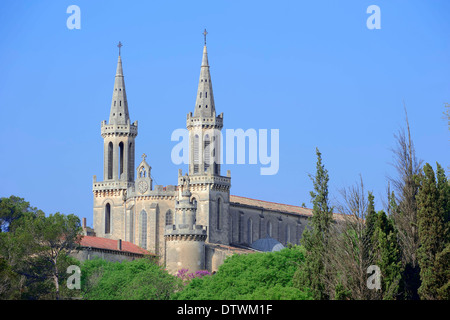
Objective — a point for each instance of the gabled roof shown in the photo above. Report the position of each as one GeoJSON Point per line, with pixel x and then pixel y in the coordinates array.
{"type": "Point", "coordinates": [110, 244]}
{"type": "Point", "coordinates": [274, 206]}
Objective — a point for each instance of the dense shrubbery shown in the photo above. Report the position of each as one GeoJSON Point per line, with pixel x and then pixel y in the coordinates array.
{"type": "Point", "coordinates": [257, 276]}
{"type": "Point", "coordinates": [140, 279]}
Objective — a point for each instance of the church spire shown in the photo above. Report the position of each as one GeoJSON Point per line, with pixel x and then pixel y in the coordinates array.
{"type": "Point", "coordinates": [204, 104]}
{"type": "Point", "coordinates": [119, 104]}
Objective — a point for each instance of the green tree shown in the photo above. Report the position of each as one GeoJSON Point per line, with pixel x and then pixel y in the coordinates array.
{"type": "Point", "coordinates": [11, 209]}
{"type": "Point", "coordinates": [255, 276]}
{"type": "Point", "coordinates": [386, 255]}
{"type": "Point", "coordinates": [37, 249]}
{"type": "Point", "coordinates": [371, 218]}
{"type": "Point", "coordinates": [433, 215]}
{"type": "Point", "coordinates": [141, 279]}
{"type": "Point", "coordinates": [315, 237]}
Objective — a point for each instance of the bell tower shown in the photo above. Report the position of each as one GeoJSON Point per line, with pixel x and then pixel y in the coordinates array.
{"type": "Point", "coordinates": [209, 188]}
{"type": "Point", "coordinates": [118, 163]}
{"type": "Point", "coordinates": [118, 134]}
{"type": "Point", "coordinates": [204, 126]}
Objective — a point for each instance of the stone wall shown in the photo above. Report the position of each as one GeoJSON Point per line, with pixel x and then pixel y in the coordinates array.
{"type": "Point", "coordinates": [110, 255]}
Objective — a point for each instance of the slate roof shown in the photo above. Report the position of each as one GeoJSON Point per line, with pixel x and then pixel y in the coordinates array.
{"type": "Point", "coordinates": [267, 244]}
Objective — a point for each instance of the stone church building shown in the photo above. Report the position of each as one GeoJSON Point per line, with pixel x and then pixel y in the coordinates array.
{"type": "Point", "coordinates": [195, 223]}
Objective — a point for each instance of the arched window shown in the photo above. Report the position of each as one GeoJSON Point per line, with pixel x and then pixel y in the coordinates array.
{"type": "Point", "coordinates": [110, 160]}
{"type": "Point", "coordinates": [107, 218]}
{"type": "Point", "coordinates": [200, 94]}
{"type": "Point", "coordinates": [249, 231]}
{"type": "Point", "coordinates": [288, 234]}
{"type": "Point", "coordinates": [143, 235]}
{"type": "Point", "coordinates": [130, 162]}
{"type": "Point", "coordinates": [169, 218]}
{"type": "Point", "coordinates": [120, 159]}
{"type": "Point", "coordinates": [269, 228]}
{"type": "Point", "coordinates": [142, 172]}
{"type": "Point", "coordinates": [219, 212]}
{"type": "Point", "coordinates": [196, 153]}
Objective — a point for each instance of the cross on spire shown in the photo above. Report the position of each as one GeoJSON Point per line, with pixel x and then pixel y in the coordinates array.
{"type": "Point", "coordinates": [204, 34]}
{"type": "Point", "coordinates": [120, 45]}
{"type": "Point", "coordinates": [144, 156]}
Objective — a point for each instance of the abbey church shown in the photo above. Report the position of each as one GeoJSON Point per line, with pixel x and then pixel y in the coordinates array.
{"type": "Point", "coordinates": [195, 223]}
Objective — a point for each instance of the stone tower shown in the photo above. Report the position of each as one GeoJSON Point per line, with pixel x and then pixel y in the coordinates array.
{"type": "Point", "coordinates": [118, 163]}
{"type": "Point", "coordinates": [185, 239]}
{"type": "Point", "coordinates": [208, 187]}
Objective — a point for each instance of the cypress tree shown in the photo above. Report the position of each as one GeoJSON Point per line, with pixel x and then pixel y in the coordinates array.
{"type": "Point", "coordinates": [433, 254]}
{"type": "Point", "coordinates": [315, 238]}
{"type": "Point", "coordinates": [387, 255]}
{"type": "Point", "coordinates": [371, 218]}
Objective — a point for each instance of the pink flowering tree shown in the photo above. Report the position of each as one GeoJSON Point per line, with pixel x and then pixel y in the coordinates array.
{"type": "Point", "coordinates": [184, 274]}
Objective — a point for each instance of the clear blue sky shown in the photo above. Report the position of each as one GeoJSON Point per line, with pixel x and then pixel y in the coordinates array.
{"type": "Point", "coordinates": [311, 69]}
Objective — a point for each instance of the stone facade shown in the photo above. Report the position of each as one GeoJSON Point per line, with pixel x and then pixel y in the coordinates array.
{"type": "Point", "coordinates": [196, 223]}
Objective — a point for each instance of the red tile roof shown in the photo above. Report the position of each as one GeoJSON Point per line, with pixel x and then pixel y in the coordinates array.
{"type": "Point", "coordinates": [110, 244]}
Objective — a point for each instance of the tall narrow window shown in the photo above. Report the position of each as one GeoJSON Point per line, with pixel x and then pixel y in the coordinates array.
{"type": "Point", "coordinates": [110, 160]}
{"type": "Point", "coordinates": [269, 229]}
{"type": "Point", "coordinates": [215, 155]}
{"type": "Point", "coordinates": [219, 212]}
{"type": "Point", "coordinates": [288, 234]}
{"type": "Point", "coordinates": [196, 153]}
{"type": "Point", "coordinates": [207, 152]}
{"type": "Point", "coordinates": [206, 94]}
{"type": "Point", "coordinates": [107, 218]}
{"type": "Point", "coordinates": [120, 159]}
{"type": "Point", "coordinates": [169, 218]}
{"type": "Point", "coordinates": [120, 102]}
{"type": "Point", "coordinates": [115, 103]}
{"type": "Point", "coordinates": [130, 162]}
{"type": "Point", "coordinates": [200, 94]}
{"type": "Point", "coordinates": [143, 235]}
{"type": "Point", "coordinates": [249, 231]}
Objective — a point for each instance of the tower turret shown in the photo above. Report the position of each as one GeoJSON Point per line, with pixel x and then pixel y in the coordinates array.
{"type": "Point", "coordinates": [185, 240]}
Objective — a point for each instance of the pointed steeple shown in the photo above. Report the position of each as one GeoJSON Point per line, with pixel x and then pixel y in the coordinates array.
{"type": "Point", "coordinates": [119, 104]}
{"type": "Point", "coordinates": [204, 104]}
